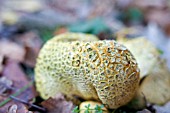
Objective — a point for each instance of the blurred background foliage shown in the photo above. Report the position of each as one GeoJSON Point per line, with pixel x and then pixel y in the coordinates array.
{"type": "Point", "coordinates": [50, 17]}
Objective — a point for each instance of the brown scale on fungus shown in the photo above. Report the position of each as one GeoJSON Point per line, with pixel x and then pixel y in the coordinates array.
{"type": "Point", "coordinates": [78, 64]}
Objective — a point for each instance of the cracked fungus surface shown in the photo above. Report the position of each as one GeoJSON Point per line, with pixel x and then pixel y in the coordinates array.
{"type": "Point", "coordinates": [102, 70]}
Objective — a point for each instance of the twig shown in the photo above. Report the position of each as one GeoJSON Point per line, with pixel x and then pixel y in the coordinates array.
{"type": "Point", "coordinates": [27, 103]}
{"type": "Point", "coordinates": [16, 94]}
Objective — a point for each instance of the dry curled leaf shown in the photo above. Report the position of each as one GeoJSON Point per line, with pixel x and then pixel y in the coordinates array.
{"type": "Point", "coordinates": [161, 17]}
{"type": "Point", "coordinates": [13, 109]}
{"type": "Point", "coordinates": [144, 111]}
{"type": "Point", "coordinates": [9, 17]}
{"type": "Point", "coordinates": [32, 44]}
{"type": "Point", "coordinates": [58, 104]}
{"type": "Point", "coordinates": [155, 87]}
{"type": "Point", "coordinates": [18, 108]}
{"type": "Point", "coordinates": [162, 109]}
{"type": "Point", "coordinates": [146, 4]}
{"type": "Point", "coordinates": [61, 30]}
{"type": "Point", "coordinates": [25, 6]}
{"type": "Point", "coordinates": [5, 84]}
{"type": "Point", "coordinates": [13, 72]}
{"type": "Point", "coordinates": [12, 50]}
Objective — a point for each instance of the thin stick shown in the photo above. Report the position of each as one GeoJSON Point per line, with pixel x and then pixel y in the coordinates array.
{"type": "Point", "coordinates": [16, 94]}
{"type": "Point", "coordinates": [27, 103]}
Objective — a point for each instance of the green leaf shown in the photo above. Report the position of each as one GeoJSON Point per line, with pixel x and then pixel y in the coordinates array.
{"type": "Point", "coordinates": [131, 15]}
{"type": "Point", "coordinates": [76, 110]}
{"type": "Point", "coordinates": [46, 34]}
{"type": "Point", "coordinates": [88, 106]}
{"type": "Point", "coordinates": [94, 26]}
{"type": "Point", "coordinates": [87, 111]}
{"type": "Point", "coordinates": [99, 109]}
{"type": "Point", "coordinates": [160, 51]}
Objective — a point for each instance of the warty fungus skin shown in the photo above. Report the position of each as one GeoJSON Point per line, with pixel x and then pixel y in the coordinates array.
{"type": "Point", "coordinates": [91, 69]}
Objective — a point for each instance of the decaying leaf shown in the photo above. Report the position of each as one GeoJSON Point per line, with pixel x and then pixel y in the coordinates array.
{"type": "Point", "coordinates": [161, 17]}
{"type": "Point", "coordinates": [32, 44]}
{"type": "Point", "coordinates": [9, 17]}
{"type": "Point", "coordinates": [5, 84]}
{"type": "Point", "coordinates": [155, 87]}
{"type": "Point", "coordinates": [18, 108]}
{"type": "Point", "coordinates": [144, 111]}
{"type": "Point", "coordinates": [162, 109]}
{"type": "Point", "coordinates": [58, 104]}
{"type": "Point", "coordinates": [13, 109]}
{"type": "Point", "coordinates": [145, 53]}
{"type": "Point", "coordinates": [12, 50]}
{"type": "Point", "coordinates": [145, 4]}
{"type": "Point", "coordinates": [13, 72]}
{"type": "Point", "coordinates": [61, 30]}
{"type": "Point", "coordinates": [25, 6]}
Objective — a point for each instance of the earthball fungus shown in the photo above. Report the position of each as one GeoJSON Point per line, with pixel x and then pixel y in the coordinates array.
{"type": "Point", "coordinates": [80, 65]}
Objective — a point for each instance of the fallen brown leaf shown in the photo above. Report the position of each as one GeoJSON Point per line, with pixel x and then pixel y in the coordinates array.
{"type": "Point", "coordinates": [58, 104]}
{"type": "Point", "coordinates": [155, 86]}
{"type": "Point", "coordinates": [9, 17]}
{"type": "Point", "coordinates": [154, 89]}
{"type": "Point", "coordinates": [162, 109]}
{"type": "Point", "coordinates": [5, 84]}
{"type": "Point", "coordinates": [60, 31]}
{"type": "Point", "coordinates": [13, 72]}
{"type": "Point", "coordinates": [161, 17]}
{"type": "Point", "coordinates": [17, 108]}
{"type": "Point", "coordinates": [32, 44]}
{"type": "Point", "coordinates": [24, 6]}
{"type": "Point", "coordinates": [144, 111]}
{"type": "Point", "coordinates": [12, 50]}
{"type": "Point", "coordinates": [13, 109]}
{"type": "Point", "coordinates": [145, 4]}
